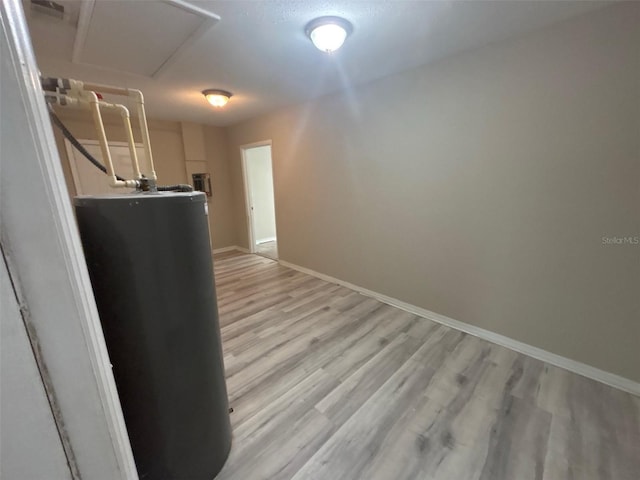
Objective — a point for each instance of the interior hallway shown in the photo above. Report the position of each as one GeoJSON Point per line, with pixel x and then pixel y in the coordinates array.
{"type": "Point", "coordinates": [326, 383]}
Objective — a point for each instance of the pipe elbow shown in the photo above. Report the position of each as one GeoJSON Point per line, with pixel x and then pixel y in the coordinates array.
{"type": "Point", "coordinates": [137, 95]}
{"type": "Point", "coordinates": [124, 111]}
{"type": "Point", "coordinates": [90, 96]}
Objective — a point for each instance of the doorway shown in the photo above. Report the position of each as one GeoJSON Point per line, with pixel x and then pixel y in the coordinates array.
{"type": "Point", "coordinates": [257, 170]}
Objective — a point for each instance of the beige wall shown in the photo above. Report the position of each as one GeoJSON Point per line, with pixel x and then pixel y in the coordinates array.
{"type": "Point", "coordinates": [480, 187]}
{"type": "Point", "coordinates": [207, 146]}
{"type": "Point", "coordinates": [222, 209]}
{"type": "Point", "coordinates": [169, 149]}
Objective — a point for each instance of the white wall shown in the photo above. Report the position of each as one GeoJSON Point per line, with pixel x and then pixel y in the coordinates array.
{"type": "Point", "coordinates": [480, 187]}
{"type": "Point", "coordinates": [260, 180]}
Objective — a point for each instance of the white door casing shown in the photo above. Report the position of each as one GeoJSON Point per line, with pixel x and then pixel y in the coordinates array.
{"type": "Point", "coordinates": [42, 248]}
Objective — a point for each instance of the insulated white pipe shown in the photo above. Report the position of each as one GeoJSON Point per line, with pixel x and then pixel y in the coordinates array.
{"type": "Point", "coordinates": [124, 113]}
{"type": "Point", "coordinates": [104, 146]}
{"type": "Point", "coordinates": [132, 144]}
{"type": "Point", "coordinates": [144, 130]}
{"type": "Point", "coordinates": [63, 100]}
{"type": "Point", "coordinates": [142, 117]}
{"type": "Point", "coordinates": [85, 92]}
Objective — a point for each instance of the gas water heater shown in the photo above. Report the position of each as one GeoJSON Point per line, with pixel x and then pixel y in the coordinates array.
{"type": "Point", "coordinates": [149, 260]}
{"type": "Point", "coordinates": [148, 254]}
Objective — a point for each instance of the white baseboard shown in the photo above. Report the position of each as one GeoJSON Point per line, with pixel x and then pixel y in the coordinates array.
{"type": "Point", "coordinates": [230, 248]}
{"type": "Point", "coordinates": [265, 240]}
{"type": "Point", "coordinates": [574, 366]}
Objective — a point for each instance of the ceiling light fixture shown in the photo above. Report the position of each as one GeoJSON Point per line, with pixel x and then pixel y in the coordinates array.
{"type": "Point", "coordinates": [328, 33]}
{"type": "Point", "coordinates": [217, 98]}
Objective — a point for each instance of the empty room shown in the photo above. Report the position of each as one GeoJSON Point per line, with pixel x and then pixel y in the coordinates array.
{"type": "Point", "coordinates": [320, 240]}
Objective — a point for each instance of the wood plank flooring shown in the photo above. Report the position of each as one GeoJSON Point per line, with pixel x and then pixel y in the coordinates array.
{"type": "Point", "coordinates": [327, 384]}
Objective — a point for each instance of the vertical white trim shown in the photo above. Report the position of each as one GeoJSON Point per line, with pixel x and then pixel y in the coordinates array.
{"type": "Point", "coordinates": [99, 439]}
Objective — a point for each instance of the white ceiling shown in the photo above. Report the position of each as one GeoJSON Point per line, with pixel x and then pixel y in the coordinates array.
{"type": "Point", "coordinates": [258, 50]}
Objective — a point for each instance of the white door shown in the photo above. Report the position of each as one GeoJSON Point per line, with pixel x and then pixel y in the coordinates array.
{"type": "Point", "coordinates": [260, 195]}
{"type": "Point", "coordinates": [87, 179]}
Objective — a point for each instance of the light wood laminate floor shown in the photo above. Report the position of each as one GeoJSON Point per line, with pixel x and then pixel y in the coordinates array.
{"type": "Point", "coordinates": [329, 384]}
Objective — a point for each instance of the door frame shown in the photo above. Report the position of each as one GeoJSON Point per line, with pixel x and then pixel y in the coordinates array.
{"type": "Point", "coordinates": [247, 191]}
{"type": "Point", "coordinates": [44, 254]}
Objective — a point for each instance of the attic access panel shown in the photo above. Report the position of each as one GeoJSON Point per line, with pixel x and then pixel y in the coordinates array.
{"type": "Point", "coordinates": [137, 36]}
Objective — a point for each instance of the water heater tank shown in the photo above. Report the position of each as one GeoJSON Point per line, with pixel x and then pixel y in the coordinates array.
{"type": "Point", "coordinates": [149, 259]}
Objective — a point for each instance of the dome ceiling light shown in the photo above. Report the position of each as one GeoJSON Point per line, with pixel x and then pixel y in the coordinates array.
{"type": "Point", "coordinates": [217, 98]}
{"type": "Point", "coordinates": [328, 33]}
